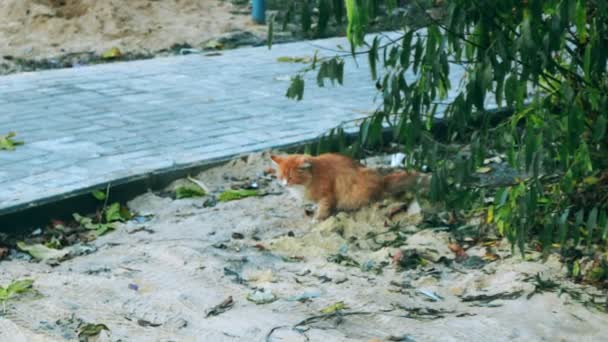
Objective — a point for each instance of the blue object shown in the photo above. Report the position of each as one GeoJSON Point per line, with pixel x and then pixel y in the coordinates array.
{"type": "Point", "coordinates": [258, 11]}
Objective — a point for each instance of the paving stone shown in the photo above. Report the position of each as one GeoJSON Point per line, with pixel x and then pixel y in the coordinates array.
{"type": "Point", "coordinates": [86, 126]}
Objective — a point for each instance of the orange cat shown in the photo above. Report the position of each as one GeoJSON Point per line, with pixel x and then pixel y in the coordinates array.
{"type": "Point", "coordinates": [337, 182]}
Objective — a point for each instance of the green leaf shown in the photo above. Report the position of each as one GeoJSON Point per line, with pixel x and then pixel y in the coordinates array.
{"type": "Point", "coordinates": [603, 224]}
{"type": "Point", "coordinates": [599, 129]}
{"type": "Point", "coordinates": [306, 16]}
{"type": "Point", "coordinates": [189, 190]}
{"type": "Point", "coordinates": [591, 225]}
{"type": "Point", "coordinates": [418, 54]}
{"type": "Point", "coordinates": [113, 213]}
{"type": "Point", "coordinates": [90, 330]}
{"type": "Point", "coordinates": [587, 62]}
{"type": "Point", "coordinates": [8, 143]}
{"type": "Point", "coordinates": [373, 57]}
{"type": "Point", "coordinates": [576, 269]}
{"type": "Point", "coordinates": [339, 306]}
{"type": "Point", "coordinates": [577, 226]}
{"type": "Point", "coordinates": [287, 59]}
{"type": "Point", "coordinates": [103, 228]}
{"type": "Point", "coordinates": [581, 20]}
{"type": "Point", "coordinates": [100, 195]}
{"type": "Point", "coordinates": [270, 31]}
{"type": "Point", "coordinates": [324, 7]}
{"type": "Point", "coordinates": [563, 228]}
{"type": "Point", "coordinates": [19, 286]}
{"type": "Point", "coordinates": [296, 88]}
{"type": "Point", "coordinates": [511, 89]}
{"type": "Point", "coordinates": [231, 195]}
{"type": "Point", "coordinates": [356, 15]}
{"type": "Point", "coordinates": [406, 48]}
{"type": "Point", "coordinates": [547, 237]}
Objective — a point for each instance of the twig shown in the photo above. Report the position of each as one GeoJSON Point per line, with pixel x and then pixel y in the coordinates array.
{"type": "Point", "coordinates": [282, 327]}
{"type": "Point", "coordinates": [199, 183]}
{"type": "Point", "coordinates": [105, 201]}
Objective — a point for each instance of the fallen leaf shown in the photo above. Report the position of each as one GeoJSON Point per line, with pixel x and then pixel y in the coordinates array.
{"type": "Point", "coordinates": [287, 59]}
{"type": "Point", "coordinates": [113, 213]}
{"type": "Point", "coordinates": [490, 216]}
{"type": "Point", "coordinates": [396, 210]}
{"type": "Point", "coordinates": [458, 251]}
{"type": "Point", "coordinates": [7, 143]}
{"type": "Point", "coordinates": [144, 323]}
{"type": "Point", "coordinates": [99, 194]}
{"type": "Point", "coordinates": [591, 180]}
{"type": "Point", "coordinates": [90, 330]}
{"type": "Point", "coordinates": [15, 288]}
{"type": "Point", "coordinates": [189, 191]}
{"type": "Point", "coordinates": [260, 247]}
{"type": "Point", "coordinates": [396, 258]}
{"type": "Point", "coordinates": [111, 53]}
{"type": "Point", "coordinates": [338, 306]}
{"type": "Point", "coordinates": [484, 169]}
{"type": "Point", "coordinates": [41, 252]}
{"type": "Point", "coordinates": [222, 307]}
{"type": "Point", "coordinates": [3, 252]}
{"type": "Point", "coordinates": [231, 195]}
{"type": "Point", "coordinates": [214, 44]}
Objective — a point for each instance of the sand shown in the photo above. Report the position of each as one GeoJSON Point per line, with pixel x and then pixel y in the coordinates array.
{"type": "Point", "coordinates": [48, 28]}
{"type": "Point", "coordinates": [159, 283]}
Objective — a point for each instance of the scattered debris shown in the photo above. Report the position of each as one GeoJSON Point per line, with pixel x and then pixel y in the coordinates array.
{"type": "Point", "coordinates": [144, 323]}
{"type": "Point", "coordinates": [261, 297]}
{"type": "Point", "coordinates": [400, 338]}
{"type": "Point", "coordinates": [493, 297]}
{"type": "Point", "coordinates": [430, 294]}
{"type": "Point", "coordinates": [343, 259]}
{"type": "Point", "coordinates": [133, 287]}
{"type": "Point", "coordinates": [238, 236]}
{"type": "Point", "coordinates": [222, 307]}
{"type": "Point", "coordinates": [306, 296]}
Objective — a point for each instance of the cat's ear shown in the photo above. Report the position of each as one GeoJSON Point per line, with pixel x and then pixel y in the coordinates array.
{"type": "Point", "coordinates": [276, 160]}
{"type": "Point", "coordinates": [306, 165]}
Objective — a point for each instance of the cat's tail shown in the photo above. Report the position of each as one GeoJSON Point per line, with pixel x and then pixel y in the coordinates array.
{"type": "Point", "coordinates": [399, 182]}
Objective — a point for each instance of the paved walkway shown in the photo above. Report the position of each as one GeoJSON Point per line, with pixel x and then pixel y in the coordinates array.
{"type": "Point", "coordinates": [87, 126]}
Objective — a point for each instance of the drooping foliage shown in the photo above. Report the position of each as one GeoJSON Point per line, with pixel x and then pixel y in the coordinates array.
{"type": "Point", "coordinates": [535, 93]}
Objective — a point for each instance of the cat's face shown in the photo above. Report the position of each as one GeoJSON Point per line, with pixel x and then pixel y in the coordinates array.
{"type": "Point", "coordinates": [293, 170]}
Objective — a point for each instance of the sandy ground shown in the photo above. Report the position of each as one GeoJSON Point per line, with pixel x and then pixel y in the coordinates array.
{"type": "Point", "coordinates": [158, 280]}
{"type": "Point", "coordinates": [47, 28]}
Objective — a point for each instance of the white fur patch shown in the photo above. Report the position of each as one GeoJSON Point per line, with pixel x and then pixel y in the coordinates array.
{"type": "Point", "coordinates": [297, 191]}
{"type": "Point", "coordinates": [397, 159]}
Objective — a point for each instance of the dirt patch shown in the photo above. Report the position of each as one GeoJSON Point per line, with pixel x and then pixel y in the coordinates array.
{"type": "Point", "coordinates": [258, 269]}
{"type": "Point", "coordinates": [47, 28]}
